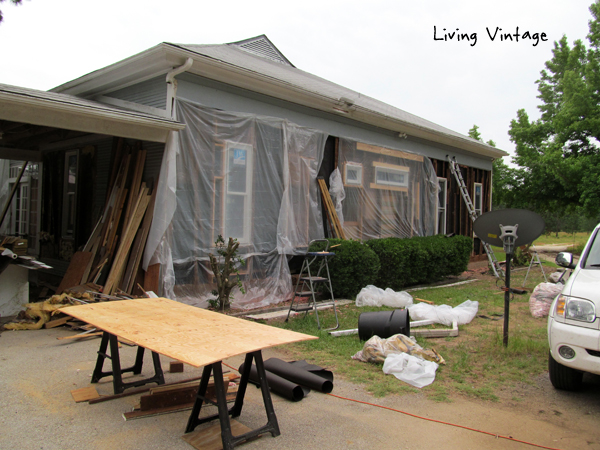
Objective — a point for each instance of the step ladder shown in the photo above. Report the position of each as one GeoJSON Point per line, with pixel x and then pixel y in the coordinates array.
{"type": "Point", "coordinates": [455, 169]}
{"type": "Point", "coordinates": [313, 274]}
{"type": "Point", "coordinates": [535, 259]}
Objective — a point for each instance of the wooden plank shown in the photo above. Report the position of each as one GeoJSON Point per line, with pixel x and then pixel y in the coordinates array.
{"type": "Point", "coordinates": [330, 208]}
{"type": "Point", "coordinates": [387, 151]}
{"type": "Point", "coordinates": [75, 272]}
{"type": "Point", "coordinates": [209, 438]}
{"type": "Point", "coordinates": [125, 244]}
{"type": "Point", "coordinates": [152, 278]}
{"type": "Point", "coordinates": [182, 332]}
{"type": "Point", "coordinates": [138, 248]}
{"type": "Point", "coordinates": [432, 333]}
{"type": "Point", "coordinates": [57, 322]}
{"type": "Point", "coordinates": [175, 367]}
{"type": "Point", "coordinates": [84, 394]}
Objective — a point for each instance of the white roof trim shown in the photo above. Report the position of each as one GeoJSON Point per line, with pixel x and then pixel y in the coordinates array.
{"type": "Point", "coordinates": [74, 113]}
{"type": "Point", "coordinates": [162, 58]}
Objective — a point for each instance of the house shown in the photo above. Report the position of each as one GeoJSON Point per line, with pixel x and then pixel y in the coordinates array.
{"type": "Point", "coordinates": [236, 136]}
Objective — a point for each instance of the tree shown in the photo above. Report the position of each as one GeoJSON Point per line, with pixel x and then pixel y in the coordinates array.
{"type": "Point", "coordinates": [503, 177]}
{"type": "Point", "coordinates": [558, 154]}
{"type": "Point", "coordinates": [14, 2]}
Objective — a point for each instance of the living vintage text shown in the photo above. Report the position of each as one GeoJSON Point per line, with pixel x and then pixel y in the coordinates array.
{"type": "Point", "coordinates": [494, 34]}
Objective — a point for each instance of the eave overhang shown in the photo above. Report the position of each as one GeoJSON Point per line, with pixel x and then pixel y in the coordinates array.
{"type": "Point", "coordinates": [161, 59]}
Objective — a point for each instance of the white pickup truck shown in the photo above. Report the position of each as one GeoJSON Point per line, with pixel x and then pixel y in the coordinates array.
{"type": "Point", "coordinates": [573, 324]}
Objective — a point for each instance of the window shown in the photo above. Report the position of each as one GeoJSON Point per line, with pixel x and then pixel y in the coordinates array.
{"type": "Point", "coordinates": [353, 174]}
{"type": "Point", "coordinates": [442, 190]}
{"type": "Point", "coordinates": [69, 209]}
{"type": "Point", "coordinates": [390, 175]}
{"type": "Point", "coordinates": [238, 192]}
{"type": "Point", "coordinates": [478, 198]}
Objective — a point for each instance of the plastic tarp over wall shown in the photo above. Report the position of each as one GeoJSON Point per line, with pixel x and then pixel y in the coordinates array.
{"type": "Point", "coordinates": [388, 193]}
{"type": "Point", "coordinates": [242, 176]}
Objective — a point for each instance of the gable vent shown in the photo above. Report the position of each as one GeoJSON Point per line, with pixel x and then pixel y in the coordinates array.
{"type": "Point", "coordinates": [261, 46]}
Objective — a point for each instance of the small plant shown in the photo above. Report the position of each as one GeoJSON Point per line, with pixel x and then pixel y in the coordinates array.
{"type": "Point", "coordinates": [226, 272]}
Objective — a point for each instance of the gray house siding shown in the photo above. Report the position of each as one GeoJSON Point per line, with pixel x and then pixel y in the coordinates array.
{"type": "Point", "coordinates": [229, 98]}
{"type": "Point", "coordinates": [150, 93]}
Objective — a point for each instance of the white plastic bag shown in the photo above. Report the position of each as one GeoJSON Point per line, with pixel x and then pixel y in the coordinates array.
{"type": "Point", "coordinates": [410, 369]}
{"type": "Point", "coordinates": [336, 190]}
{"type": "Point", "coordinates": [444, 314]}
{"type": "Point", "coordinates": [374, 296]}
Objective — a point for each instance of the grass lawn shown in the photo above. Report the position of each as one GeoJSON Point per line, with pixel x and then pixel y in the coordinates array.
{"type": "Point", "coordinates": [477, 364]}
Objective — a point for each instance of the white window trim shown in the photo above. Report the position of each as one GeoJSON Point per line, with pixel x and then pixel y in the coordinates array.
{"type": "Point", "coordinates": [390, 168]}
{"type": "Point", "coordinates": [247, 220]}
{"type": "Point", "coordinates": [359, 169]}
{"type": "Point", "coordinates": [442, 208]}
{"type": "Point", "coordinates": [478, 210]}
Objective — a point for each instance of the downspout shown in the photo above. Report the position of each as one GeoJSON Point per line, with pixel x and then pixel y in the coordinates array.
{"type": "Point", "coordinates": [172, 86]}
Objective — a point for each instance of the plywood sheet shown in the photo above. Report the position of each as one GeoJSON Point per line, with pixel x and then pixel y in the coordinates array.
{"type": "Point", "coordinates": [186, 333]}
{"type": "Point", "coordinates": [75, 272]}
{"type": "Point", "coordinates": [209, 438]}
{"type": "Point", "coordinates": [84, 394]}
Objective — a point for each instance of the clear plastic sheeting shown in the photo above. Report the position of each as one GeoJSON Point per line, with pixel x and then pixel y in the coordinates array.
{"type": "Point", "coordinates": [242, 176]}
{"type": "Point", "coordinates": [336, 190]}
{"type": "Point", "coordinates": [374, 296]}
{"type": "Point", "coordinates": [388, 193]}
{"type": "Point", "coordinates": [445, 314]}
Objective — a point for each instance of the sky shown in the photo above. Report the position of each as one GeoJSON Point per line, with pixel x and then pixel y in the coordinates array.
{"type": "Point", "coordinates": [397, 51]}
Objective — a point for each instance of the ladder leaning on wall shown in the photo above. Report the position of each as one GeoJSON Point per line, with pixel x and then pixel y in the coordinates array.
{"type": "Point", "coordinates": [498, 272]}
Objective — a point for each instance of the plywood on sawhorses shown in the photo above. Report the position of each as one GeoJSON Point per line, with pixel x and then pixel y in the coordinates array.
{"type": "Point", "coordinates": [196, 336]}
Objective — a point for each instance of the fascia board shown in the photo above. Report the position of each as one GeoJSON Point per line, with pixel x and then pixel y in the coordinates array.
{"type": "Point", "coordinates": [136, 69]}
{"type": "Point", "coordinates": [79, 118]}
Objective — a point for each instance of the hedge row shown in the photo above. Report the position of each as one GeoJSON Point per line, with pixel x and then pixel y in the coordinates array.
{"type": "Point", "coordinates": [395, 263]}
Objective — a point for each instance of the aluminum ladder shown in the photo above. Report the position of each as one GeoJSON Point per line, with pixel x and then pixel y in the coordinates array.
{"type": "Point", "coordinates": [535, 259]}
{"type": "Point", "coordinates": [314, 273]}
{"type": "Point", "coordinates": [498, 272]}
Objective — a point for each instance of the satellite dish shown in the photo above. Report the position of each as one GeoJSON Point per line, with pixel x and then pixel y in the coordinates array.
{"type": "Point", "coordinates": [530, 226]}
{"type": "Point", "coordinates": [509, 229]}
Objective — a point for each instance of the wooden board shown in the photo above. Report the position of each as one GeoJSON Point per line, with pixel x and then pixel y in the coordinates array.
{"type": "Point", "coordinates": [84, 394]}
{"type": "Point", "coordinates": [74, 274]}
{"type": "Point", "coordinates": [186, 333]}
{"type": "Point", "coordinates": [209, 438]}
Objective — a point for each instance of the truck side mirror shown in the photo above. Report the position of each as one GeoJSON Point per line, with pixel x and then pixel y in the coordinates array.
{"type": "Point", "coordinates": [565, 259]}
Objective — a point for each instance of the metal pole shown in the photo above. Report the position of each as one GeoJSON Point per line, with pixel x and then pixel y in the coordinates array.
{"type": "Point", "coordinates": [506, 299]}
{"type": "Point", "coordinates": [12, 193]}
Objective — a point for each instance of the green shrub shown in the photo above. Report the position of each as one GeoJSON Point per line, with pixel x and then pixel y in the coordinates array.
{"type": "Point", "coordinates": [418, 260]}
{"type": "Point", "coordinates": [353, 267]}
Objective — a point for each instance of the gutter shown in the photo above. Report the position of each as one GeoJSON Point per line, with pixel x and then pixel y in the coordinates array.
{"type": "Point", "coordinates": [172, 85]}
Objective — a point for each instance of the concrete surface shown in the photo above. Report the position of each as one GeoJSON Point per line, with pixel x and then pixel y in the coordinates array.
{"type": "Point", "coordinates": [38, 372]}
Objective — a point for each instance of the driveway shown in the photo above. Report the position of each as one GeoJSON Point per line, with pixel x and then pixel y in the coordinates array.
{"type": "Point", "coordinates": [37, 373]}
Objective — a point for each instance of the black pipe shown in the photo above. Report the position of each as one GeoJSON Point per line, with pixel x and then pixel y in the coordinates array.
{"type": "Point", "coordinates": [279, 385]}
{"type": "Point", "coordinates": [298, 375]}
{"type": "Point", "coordinates": [383, 324]}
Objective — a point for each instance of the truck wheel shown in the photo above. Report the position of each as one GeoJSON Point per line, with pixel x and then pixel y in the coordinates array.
{"type": "Point", "coordinates": [563, 377]}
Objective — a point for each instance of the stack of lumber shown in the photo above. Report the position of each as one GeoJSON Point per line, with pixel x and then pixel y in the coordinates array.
{"type": "Point", "coordinates": [113, 253]}
{"type": "Point", "coordinates": [178, 397]}
{"type": "Point", "coordinates": [334, 221]}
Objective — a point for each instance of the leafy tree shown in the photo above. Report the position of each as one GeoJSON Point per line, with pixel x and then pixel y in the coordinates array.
{"type": "Point", "coordinates": [558, 154]}
{"type": "Point", "coordinates": [503, 177]}
{"type": "Point", "coordinates": [15, 2]}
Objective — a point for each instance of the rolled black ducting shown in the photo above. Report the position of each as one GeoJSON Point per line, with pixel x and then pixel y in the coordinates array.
{"type": "Point", "coordinates": [314, 369]}
{"type": "Point", "coordinates": [298, 375]}
{"type": "Point", "coordinates": [383, 324]}
{"type": "Point", "coordinates": [279, 385]}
